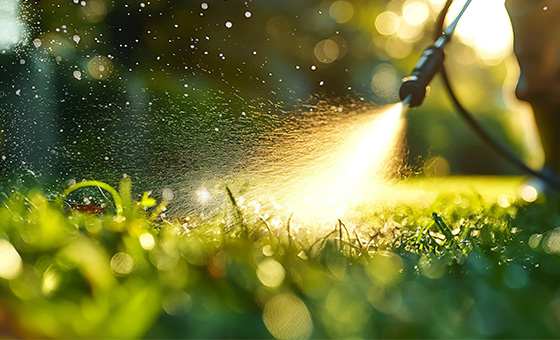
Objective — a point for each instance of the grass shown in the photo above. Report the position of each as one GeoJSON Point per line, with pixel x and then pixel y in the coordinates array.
{"type": "Point", "coordinates": [457, 265]}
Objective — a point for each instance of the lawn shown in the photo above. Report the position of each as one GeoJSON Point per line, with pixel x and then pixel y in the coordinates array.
{"type": "Point", "coordinates": [443, 258]}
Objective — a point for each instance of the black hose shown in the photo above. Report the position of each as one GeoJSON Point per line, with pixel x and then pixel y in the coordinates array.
{"type": "Point", "coordinates": [478, 129]}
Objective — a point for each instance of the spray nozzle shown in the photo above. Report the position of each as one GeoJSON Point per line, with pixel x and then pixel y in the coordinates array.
{"type": "Point", "coordinates": [413, 88]}
{"type": "Point", "coordinates": [416, 84]}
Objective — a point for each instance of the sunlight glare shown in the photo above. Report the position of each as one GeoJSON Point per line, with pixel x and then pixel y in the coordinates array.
{"type": "Point", "coordinates": [486, 27]}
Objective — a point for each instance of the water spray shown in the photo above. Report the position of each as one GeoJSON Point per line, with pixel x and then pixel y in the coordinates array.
{"type": "Point", "coordinates": [414, 88]}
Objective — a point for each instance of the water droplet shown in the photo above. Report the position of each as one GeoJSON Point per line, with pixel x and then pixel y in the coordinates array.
{"type": "Point", "coordinates": [313, 67]}
{"type": "Point", "coordinates": [248, 14]}
{"type": "Point", "coordinates": [229, 24]}
{"type": "Point", "coordinates": [204, 5]}
{"type": "Point", "coordinates": [321, 83]}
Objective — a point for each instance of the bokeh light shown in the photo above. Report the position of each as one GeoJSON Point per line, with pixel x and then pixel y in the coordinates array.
{"type": "Point", "coordinates": [415, 12]}
{"type": "Point", "coordinates": [436, 166]}
{"type": "Point", "coordinates": [287, 317]}
{"type": "Point", "coordinates": [528, 193]}
{"type": "Point", "coordinates": [385, 300]}
{"type": "Point", "coordinates": [385, 268]}
{"type": "Point", "coordinates": [551, 242]}
{"type": "Point", "coordinates": [327, 51]}
{"type": "Point", "coordinates": [432, 267]}
{"type": "Point", "coordinates": [11, 263]}
{"type": "Point", "coordinates": [177, 302]}
{"type": "Point", "coordinates": [147, 241]}
{"type": "Point", "coordinates": [385, 80]}
{"type": "Point", "coordinates": [121, 264]}
{"type": "Point", "coordinates": [398, 48]}
{"type": "Point", "coordinates": [387, 23]}
{"type": "Point", "coordinates": [94, 11]}
{"type": "Point", "coordinates": [341, 11]}
{"type": "Point", "coordinates": [271, 273]}
{"type": "Point", "coordinates": [100, 67]}
{"type": "Point", "coordinates": [410, 33]}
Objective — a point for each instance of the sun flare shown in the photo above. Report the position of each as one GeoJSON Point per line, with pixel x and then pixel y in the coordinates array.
{"type": "Point", "coordinates": [486, 27]}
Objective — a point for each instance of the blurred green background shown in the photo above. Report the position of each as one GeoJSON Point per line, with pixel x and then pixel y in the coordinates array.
{"type": "Point", "coordinates": [161, 89]}
{"type": "Point", "coordinates": [178, 91]}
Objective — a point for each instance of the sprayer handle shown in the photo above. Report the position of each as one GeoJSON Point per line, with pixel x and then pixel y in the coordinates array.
{"type": "Point", "coordinates": [415, 85]}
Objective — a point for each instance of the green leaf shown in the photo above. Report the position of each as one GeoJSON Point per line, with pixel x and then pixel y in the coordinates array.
{"type": "Point", "coordinates": [147, 201]}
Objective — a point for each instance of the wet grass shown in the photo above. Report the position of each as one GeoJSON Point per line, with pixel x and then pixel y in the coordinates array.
{"type": "Point", "coordinates": [453, 265]}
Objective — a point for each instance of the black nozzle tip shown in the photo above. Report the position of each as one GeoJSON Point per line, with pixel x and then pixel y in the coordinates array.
{"type": "Point", "coordinates": [413, 89]}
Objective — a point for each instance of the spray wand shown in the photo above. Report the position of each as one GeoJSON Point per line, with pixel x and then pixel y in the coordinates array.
{"type": "Point", "coordinates": [413, 88]}
{"type": "Point", "coordinates": [413, 92]}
